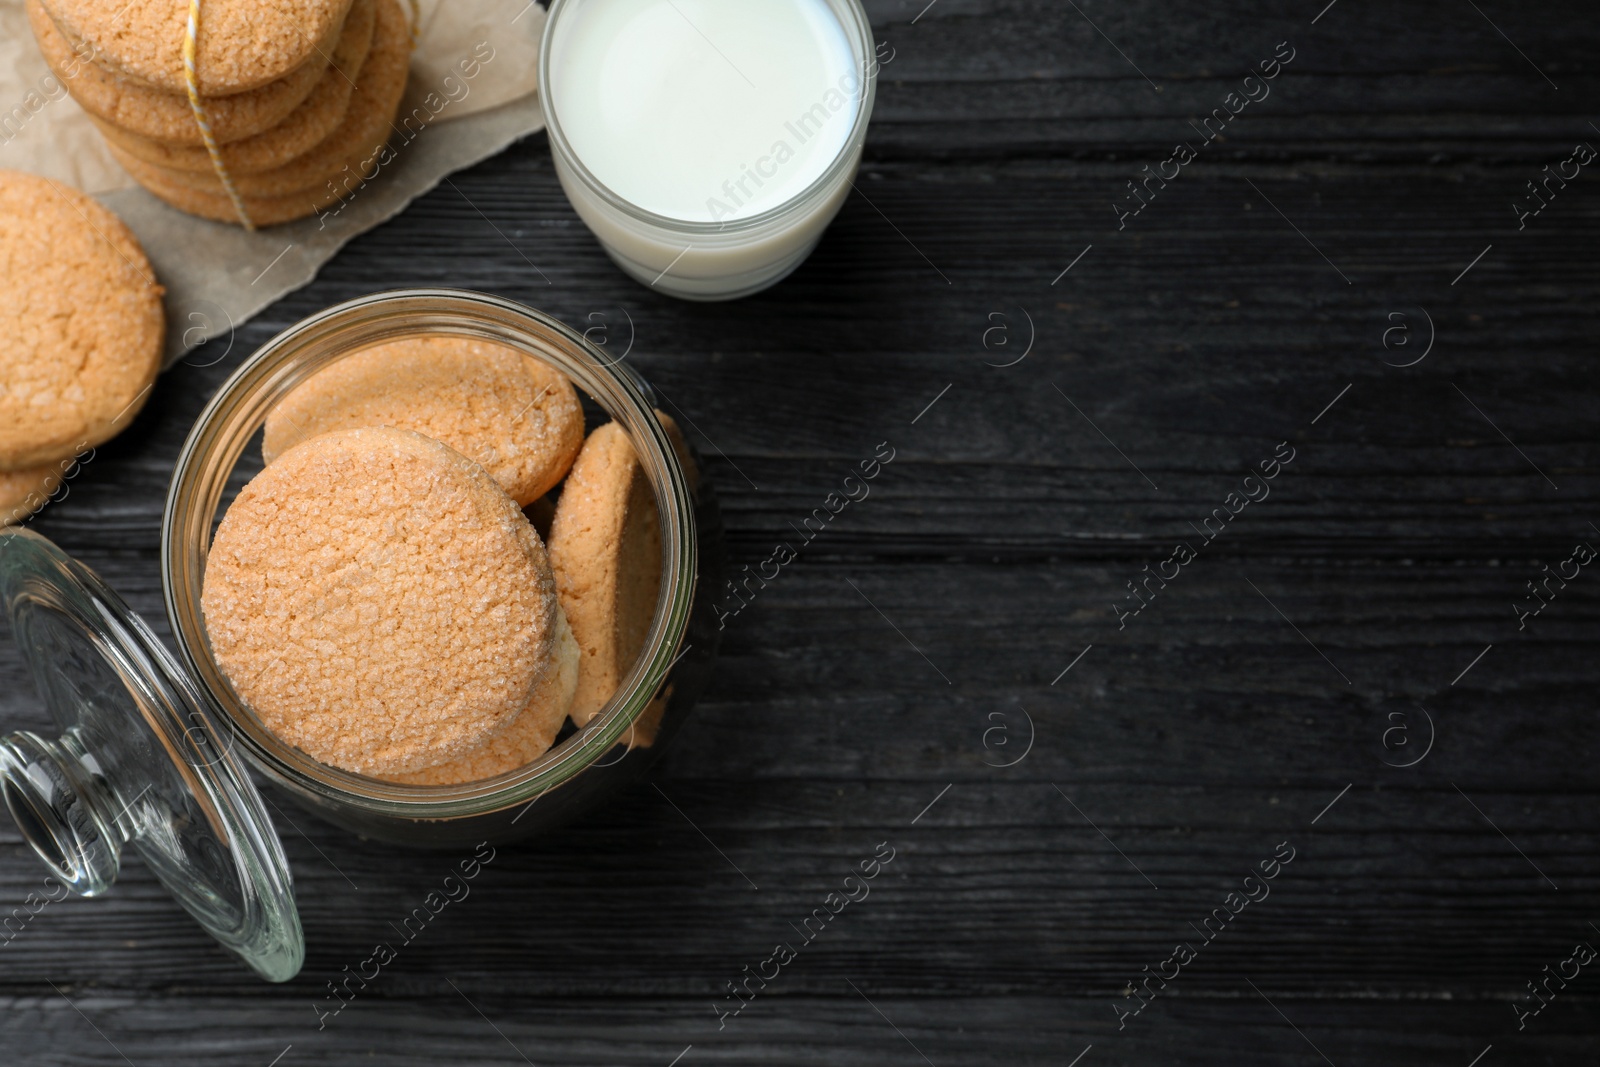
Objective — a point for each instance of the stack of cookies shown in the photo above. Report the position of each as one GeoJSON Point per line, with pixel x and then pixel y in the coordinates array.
{"type": "Point", "coordinates": [298, 96]}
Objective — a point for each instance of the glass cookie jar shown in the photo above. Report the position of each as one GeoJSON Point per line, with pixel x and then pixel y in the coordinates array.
{"type": "Point", "coordinates": [153, 749]}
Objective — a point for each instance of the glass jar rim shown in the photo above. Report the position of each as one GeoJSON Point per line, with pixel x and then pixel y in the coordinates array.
{"type": "Point", "coordinates": [238, 408]}
{"type": "Point", "coordinates": [853, 20]}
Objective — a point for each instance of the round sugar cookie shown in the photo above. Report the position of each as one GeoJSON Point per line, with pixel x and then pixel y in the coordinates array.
{"type": "Point", "coordinates": [300, 131]}
{"type": "Point", "coordinates": [524, 740]}
{"type": "Point", "coordinates": [24, 492]}
{"type": "Point", "coordinates": [263, 210]}
{"type": "Point", "coordinates": [81, 319]}
{"type": "Point", "coordinates": [165, 116]}
{"type": "Point", "coordinates": [365, 125]}
{"type": "Point", "coordinates": [241, 44]}
{"type": "Point", "coordinates": [605, 550]}
{"type": "Point", "coordinates": [379, 602]}
{"type": "Point", "coordinates": [509, 412]}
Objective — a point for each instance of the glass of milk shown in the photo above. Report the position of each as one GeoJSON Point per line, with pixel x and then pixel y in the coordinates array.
{"type": "Point", "coordinates": [707, 143]}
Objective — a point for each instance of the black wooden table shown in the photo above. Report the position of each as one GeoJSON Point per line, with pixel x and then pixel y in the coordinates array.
{"type": "Point", "coordinates": [1342, 665]}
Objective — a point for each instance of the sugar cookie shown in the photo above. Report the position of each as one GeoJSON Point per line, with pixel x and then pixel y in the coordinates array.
{"type": "Point", "coordinates": [242, 44]}
{"type": "Point", "coordinates": [81, 318]}
{"type": "Point", "coordinates": [524, 740]}
{"type": "Point", "coordinates": [380, 602]}
{"type": "Point", "coordinates": [366, 121]}
{"type": "Point", "coordinates": [333, 169]}
{"type": "Point", "coordinates": [605, 550]}
{"type": "Point", "coordinates": [300, 131]}
{"type": "Point", "coordinates": [513, 414]}
{"type": "Point", "coordinates": [263, 210]}
{"type": "Point", "coordinates": [166, 116]}
{"type": "Point", "coordinates": [24, 492]}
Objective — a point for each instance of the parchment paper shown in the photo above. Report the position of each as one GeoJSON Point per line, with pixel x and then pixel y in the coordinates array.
{"type": "Point", "coordinates": [217, 276]}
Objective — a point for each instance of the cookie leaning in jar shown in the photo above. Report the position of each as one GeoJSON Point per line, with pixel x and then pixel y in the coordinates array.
{"type": "Point", "coordinates": [82, 320]}
{"type": "Point", "coordinates": [380, 603]}
{"type": "Point", "coordinates": [605, 550]}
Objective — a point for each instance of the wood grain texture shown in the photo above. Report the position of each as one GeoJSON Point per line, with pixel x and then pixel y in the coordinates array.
{"type": "Point", "coordinates": [869, 681]}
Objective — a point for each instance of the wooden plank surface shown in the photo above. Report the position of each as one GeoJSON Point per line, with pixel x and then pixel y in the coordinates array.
{"type": "Point", "coordinates": [858, 700]}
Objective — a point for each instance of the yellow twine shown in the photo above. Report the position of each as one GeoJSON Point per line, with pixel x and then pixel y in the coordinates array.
{"type": "Point", "coordinates": [416, 22]}
{"type": "Point", "coordinates": [192, 81]}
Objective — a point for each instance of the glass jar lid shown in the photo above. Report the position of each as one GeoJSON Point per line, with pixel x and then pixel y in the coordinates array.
{"type": "Point", "coordinates": [140, 760]}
